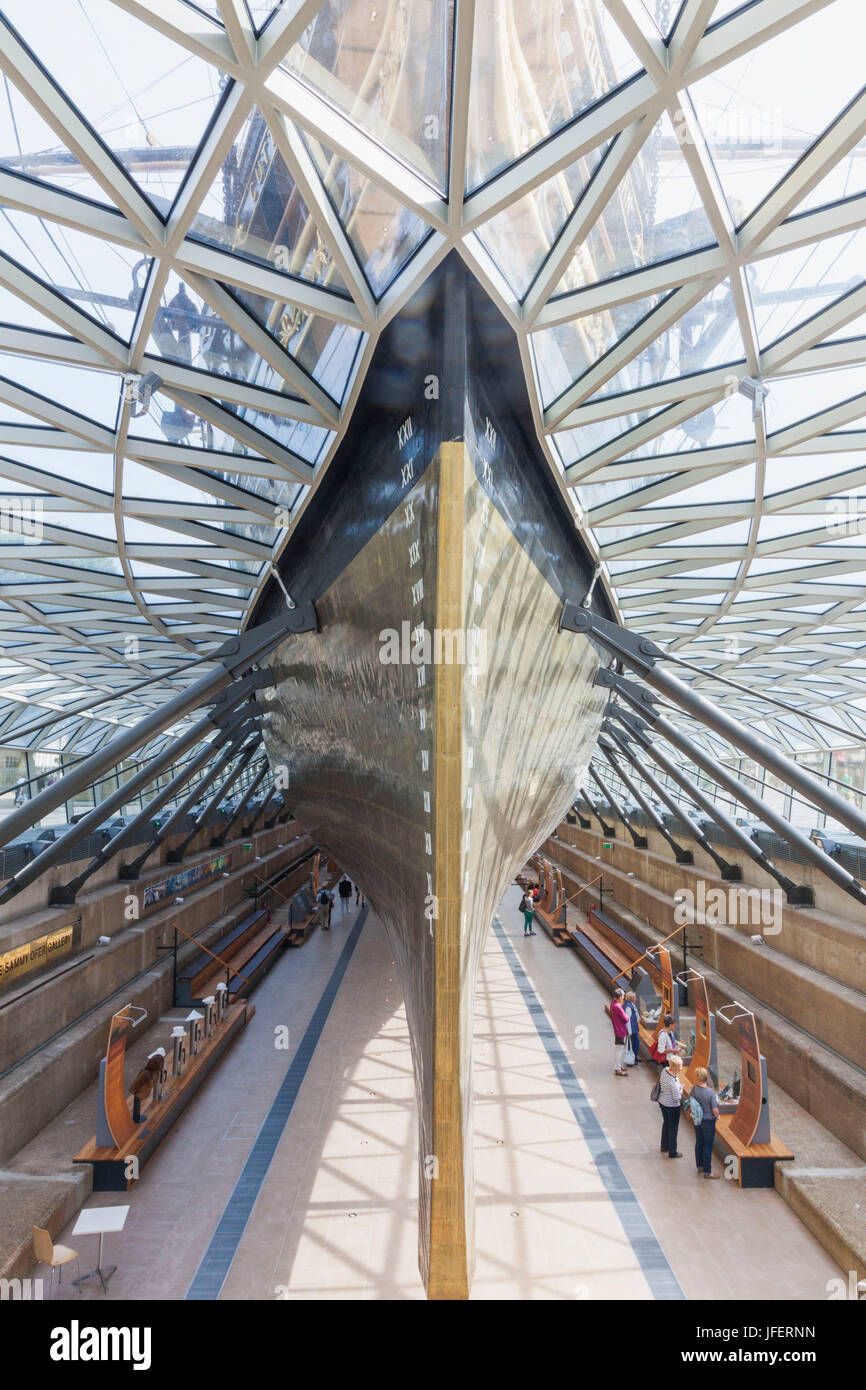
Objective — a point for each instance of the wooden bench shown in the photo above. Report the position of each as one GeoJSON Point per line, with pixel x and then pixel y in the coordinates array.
{"type": "Point", "coordinates": [255, 959]}
{"type": "Point", "coordinates": [192, 982]}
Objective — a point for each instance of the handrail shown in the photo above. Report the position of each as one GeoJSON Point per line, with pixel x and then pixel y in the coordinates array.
{"type": "Point", "coordinates": [229, 968]}
{"type": "Point", "coordinates": [676, 931]}
{"type": "Point", "coordinates": [583, 889]}
{"type": "Point", "coordinates": [268, 885]}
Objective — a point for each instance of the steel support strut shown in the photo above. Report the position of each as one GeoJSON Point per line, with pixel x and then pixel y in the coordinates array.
{"type": "Point", "coordinates": [231, 660]}
{"type": "Point", "coordinates": [644, 657]}
{"type": "Point", "coordinates": [639, 841]}
{"type": "Point", "coordinates": [58, 850]}
{"type": "Point", "coordinates": [800, 894]}
{"type": "Point", "coordinates": [174, 856]}
{"type": "Point", "coordinates": [682, 856]}
{"type": "Point", "coordinates": [605, 829]}
{"type": "Point", "coordinates": [131, 871]}
{"type": "Point", "coordinates": [217, 841]}
{"type": "Point", "coordinates": [731, 872]}
{"type": "Point", "coordinates": [248, 829]}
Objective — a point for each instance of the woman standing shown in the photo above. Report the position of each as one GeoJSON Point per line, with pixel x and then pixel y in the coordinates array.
{"type": "Point", "coordinates": [670, 1096]}
{"type": "Point", "coordinates": [619, 1019]}
{"type": "Point", "coordinates": [527, 907]}
{"type": "Point", "coordinates": [633, 1052]}
{"type": "Point", "coordinates": [705, 1128]}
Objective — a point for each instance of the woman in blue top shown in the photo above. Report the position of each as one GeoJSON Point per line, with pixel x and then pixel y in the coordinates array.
{"type": "Point", "coordinates": [630, 1007]}
{"type": "Point", "coordinates": [705, 1130]}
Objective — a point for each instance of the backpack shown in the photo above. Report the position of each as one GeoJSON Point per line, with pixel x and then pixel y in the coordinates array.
{"type": "Point", "coordinates": [524, 904]}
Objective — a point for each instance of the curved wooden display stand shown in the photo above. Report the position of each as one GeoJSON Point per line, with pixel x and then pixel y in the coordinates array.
{"type": "Point", "coordinates": [118, 1162]}
{"type": "Point", "coordinates": [743, 1130]}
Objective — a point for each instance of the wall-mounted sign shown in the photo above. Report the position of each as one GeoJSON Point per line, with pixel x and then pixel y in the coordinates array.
{"type": "Point", "coordinates": [39, 954]}
{"type": "Point", "coordinates": [187, 878]}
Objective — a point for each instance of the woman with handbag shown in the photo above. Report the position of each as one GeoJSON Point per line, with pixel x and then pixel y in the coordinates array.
{"type": "Point", "coordinates": [619, 1020]}
{"type": "Point", "coordinates": [668, 1091]}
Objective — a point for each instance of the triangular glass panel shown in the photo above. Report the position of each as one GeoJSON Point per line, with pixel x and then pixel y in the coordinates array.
{"type": "Point", "coordinates": [563, 353]}
{"type": "Point", "coordinates": [790, 288]}
{"type": "Point", "coordinates": [260, 11]}
{"type": "Point", "coordinates": [254, 209]}
{"type": "Point", "coordinates": [187, 329]}
{"type": "Point", "coordinates": [518, 95]}
{"type": "Point", "coordinates": [302, 439]}
{"type": "Point", "coordinates": [19, 314]}
{"type": "Point", "coordinates": [655, 215]}
{"type": "Point", "coordinates": [519, 238]}
{"type": "Point", "coordinates": [79, 465]}
{"type": "Point", "coordinates": [101, 279]}
{"type": "Point", "coordinates": [104, 60]}
{"type": "Point", "coordinates": [389, 68]}
{"type": "Point", "coordinates": [208, 7]}
{"type": "Point", "coordinates": [847, 179]}
{"type": "Point", "coordinates": [31, 148]}
{"type": "Point", "coordinates": [707, 335]}
{"type": "Point", "coordinates": [166, 420]}
{"type": "Point", "coordinates": [728, 422]}
{"type": "Point", "coordinates": [758, 113]}
{"type": "Point", "coordinates": [794, 470]}
{"type": "Point", "coordinates": [89, 393]}
{"type": "Point", "coordinates": [579, 443]}
{"type": "Point", "coordinates": [327, 351]}
{"type": "Point", "coordinates": [855, 329]}
{"type": "Point", "coordinates": [383, 233]}
{"type": "Point", "coordinates": [796, 398]}
{"type": "Point", "coordinates": [663, 12]}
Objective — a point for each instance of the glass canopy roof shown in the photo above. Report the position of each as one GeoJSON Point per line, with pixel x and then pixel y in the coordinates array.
{"type": "Point", "coordinates": [208, 213]}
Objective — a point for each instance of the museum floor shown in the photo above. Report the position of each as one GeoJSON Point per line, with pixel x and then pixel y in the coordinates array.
{"type": "Point", "coordinates": [321, 1134]}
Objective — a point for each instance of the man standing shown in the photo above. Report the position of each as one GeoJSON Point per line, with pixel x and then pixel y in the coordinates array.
{"type": "Point", "coordinates": [344, 888]}
{"type": "Point", "coordinates": [326, 902]}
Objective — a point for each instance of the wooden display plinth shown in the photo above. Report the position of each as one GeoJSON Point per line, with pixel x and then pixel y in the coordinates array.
{"type": "Point", "coordinates": [755, 1162]}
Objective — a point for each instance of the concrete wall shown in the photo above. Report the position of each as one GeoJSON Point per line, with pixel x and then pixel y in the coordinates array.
{"type": "Point", "coordinates": [129, 969]}
{"type": "Point", "coordinates": [805, 1018]}
{"type": "Point", "coordinates": [831, 941]}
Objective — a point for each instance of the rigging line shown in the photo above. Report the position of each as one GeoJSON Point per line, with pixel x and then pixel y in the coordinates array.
{"type": "Point", "coordinates": [42, 224]}
{"type": "Point", "coordinates": [120, 80]}
{"type": "Point", "coordinates": [770, 699]}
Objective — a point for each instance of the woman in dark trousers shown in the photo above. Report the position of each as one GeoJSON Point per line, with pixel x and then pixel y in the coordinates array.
{"type": "Point", "coordinates": [670, 1096]}
{"type": "Point", "coordinates": [705, 1130]}
{"type": "Point", "coordinates": [630, 1007]}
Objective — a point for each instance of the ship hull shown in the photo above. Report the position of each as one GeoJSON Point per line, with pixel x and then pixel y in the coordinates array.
{"type": "Point", "coordinates": [432, 733]}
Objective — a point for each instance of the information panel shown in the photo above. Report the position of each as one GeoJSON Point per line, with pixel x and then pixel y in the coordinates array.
{"type": "Point", "coordinates": [193, 877]}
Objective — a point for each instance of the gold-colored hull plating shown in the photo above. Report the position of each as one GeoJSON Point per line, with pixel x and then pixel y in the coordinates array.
{"type": "Point", "coordinates": [431, 771]}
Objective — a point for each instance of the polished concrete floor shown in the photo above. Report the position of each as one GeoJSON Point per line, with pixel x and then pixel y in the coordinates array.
{"type": "Point", "coordinates": [330, 1211]}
